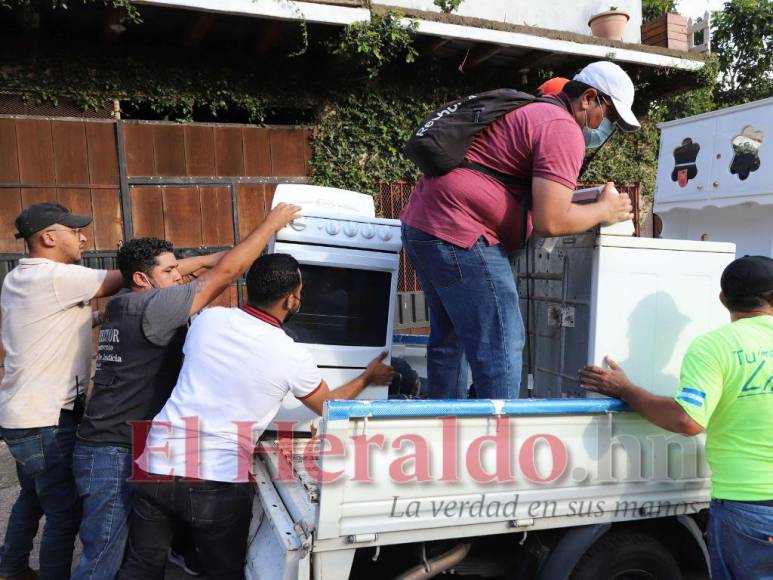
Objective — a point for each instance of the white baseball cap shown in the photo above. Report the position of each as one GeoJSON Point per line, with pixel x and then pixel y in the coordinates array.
{"type": "Point", "coordinates": [615, 83]}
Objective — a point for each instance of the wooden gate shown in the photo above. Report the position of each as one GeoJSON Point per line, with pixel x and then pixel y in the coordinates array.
{"type": "Point", "coordinates": [198, 185]}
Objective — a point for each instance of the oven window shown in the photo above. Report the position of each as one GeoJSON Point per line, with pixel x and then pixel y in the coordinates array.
{"type": "Point", "coordinates": [342, 306]}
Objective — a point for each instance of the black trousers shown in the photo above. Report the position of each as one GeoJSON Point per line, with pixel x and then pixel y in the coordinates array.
{"type": "Point", "coordinates": [218, 515]}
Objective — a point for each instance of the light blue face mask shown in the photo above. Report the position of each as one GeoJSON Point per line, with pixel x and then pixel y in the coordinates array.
{"type": "Point", "coordinates": [595, 138]}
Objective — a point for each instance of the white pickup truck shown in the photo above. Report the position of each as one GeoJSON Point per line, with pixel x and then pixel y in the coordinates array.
{"type": "Point", "coordinates": [555, 487]}
{"type": "Point", "coordinates": [555, 484]}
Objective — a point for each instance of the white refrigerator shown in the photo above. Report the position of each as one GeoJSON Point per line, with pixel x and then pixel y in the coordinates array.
{"type": "Point", "coordinates": [640, 301]}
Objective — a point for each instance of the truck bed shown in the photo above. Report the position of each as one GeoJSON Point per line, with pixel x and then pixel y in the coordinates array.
{"type": "Point", "coordinates": [571, 462]}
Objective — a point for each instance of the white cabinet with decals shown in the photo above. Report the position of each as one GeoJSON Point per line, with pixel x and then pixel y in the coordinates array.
{"type": "Point", "coordinates": [715, 177]}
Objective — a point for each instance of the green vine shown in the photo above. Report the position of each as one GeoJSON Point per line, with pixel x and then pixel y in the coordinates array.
{"type": "Point", "coordinates": [303, 27]}
{"type": "Point", "coordinates": [165, 89]}
{"type": "Point", "coordinates": [359, 137]}
{"type": "Point", "coordinates": [376, 43]}
{"type": "Point", "coordinates": [448, 6]}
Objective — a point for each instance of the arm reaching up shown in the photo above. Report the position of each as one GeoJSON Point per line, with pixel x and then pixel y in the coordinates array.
{"type": "Point", "coordinates": [237, 260]}
{"type": "Point", "coordinates": [190, 265]}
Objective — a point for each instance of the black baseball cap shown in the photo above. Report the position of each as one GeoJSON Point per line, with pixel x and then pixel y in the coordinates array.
{"type": "Point", "coordinates": [41, 215]}
{"type": "Point", "coordinates": [748, 276]}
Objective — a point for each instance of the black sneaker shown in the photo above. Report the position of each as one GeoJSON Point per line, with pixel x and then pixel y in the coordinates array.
{"type": "Point", "coordinates": [189, 562]}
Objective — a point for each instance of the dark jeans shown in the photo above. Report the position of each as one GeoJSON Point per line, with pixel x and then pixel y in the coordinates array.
{"type": "Point", "coordinates": [473, 313]}
{"type": "Point", "coordinates": [43, 458]}
{"type": "Point", "coordinates": [100, 474]}
{"type": "Point", "coordinates": [740, 540]}
{"type": "Point", "coordinates": [218, 515]}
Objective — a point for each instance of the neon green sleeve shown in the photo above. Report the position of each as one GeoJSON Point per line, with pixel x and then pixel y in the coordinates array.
{"type": "Point", "coordinates": [701, 381]}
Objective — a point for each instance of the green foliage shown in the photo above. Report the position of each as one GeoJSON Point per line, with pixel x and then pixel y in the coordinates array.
{"type": "Point", "coordinates": [377, 43]}
{"type": "Point", "coordinates": [699, 100]}
{"type": "Point", "coordinates": [170, 91]}
{"type": "Point", "coordinates": [448, 6]}
{"type": "Point", "coordinates": [628, 158]}
{"type": "Point", "coordinates": [743, 39]}
{"type": "Point", "coordinates": [651, 9]}
{"type": "Point", "coordinates": [359, 137]}
{"type": "Point", "coordinates": [131, 14]}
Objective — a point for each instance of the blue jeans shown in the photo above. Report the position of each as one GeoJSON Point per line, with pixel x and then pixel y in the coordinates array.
{"type": "Point", "coordinates": [43, 458]}
{"type": "Point", "coordinates": [100, 474]}
{"type": "Point", "coordinates": [740, 540]}
{"type": "Point", "coordinates": [474, 315]}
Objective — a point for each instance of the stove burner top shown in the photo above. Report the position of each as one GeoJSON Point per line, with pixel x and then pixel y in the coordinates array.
{"type": "Point", "coordinates": [336, 217]}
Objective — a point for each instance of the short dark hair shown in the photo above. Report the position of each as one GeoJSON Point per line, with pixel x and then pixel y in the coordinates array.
{"type": "Point", "coordinates": [573, 89]}
{"type": "Point", "coordinates": [139, 255]}
{"type": "Point", "coordinates": [271, 277]}
{"type": "Point", "coordinates": [749, 302]}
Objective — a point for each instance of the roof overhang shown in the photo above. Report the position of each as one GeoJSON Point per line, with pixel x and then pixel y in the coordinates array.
{"type": "Point", "coordinates": [452, 35]}
{"type": "Point", "coordinates": [506, 39]}
{"type": "Point", "coordinates": [312, 12]}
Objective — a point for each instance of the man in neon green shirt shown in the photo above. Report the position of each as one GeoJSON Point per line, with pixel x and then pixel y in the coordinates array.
{"type": "Point", "coordinates": [727, 391]}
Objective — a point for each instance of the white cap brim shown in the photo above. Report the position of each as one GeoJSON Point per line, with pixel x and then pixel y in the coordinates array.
{"type": "Point", "coordinates": [628, 121]}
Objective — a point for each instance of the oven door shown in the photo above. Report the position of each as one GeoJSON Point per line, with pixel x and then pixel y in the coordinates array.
{"type": "Point", "coordinates": [347, 303]}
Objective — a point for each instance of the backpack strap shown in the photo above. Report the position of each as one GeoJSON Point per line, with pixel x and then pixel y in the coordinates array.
{"type": "Point", "coordinates": [503, 178]}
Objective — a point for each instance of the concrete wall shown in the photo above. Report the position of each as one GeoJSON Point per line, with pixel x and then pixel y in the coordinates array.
{"type": "Point", "coordinates": [567, 15]}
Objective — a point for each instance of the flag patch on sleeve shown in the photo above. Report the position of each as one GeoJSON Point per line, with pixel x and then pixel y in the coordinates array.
{"type": "Point", "coordinates": [692, 396]}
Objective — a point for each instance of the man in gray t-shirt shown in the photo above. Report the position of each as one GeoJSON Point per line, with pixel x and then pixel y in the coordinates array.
{"type": "Point", "coordinates": [138, 360]}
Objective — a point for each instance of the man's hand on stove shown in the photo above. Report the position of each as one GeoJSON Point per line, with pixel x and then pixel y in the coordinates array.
{"type": "Point", "coordinates": [378, 373]}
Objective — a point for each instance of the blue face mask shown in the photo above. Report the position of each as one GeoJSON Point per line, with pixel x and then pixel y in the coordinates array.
{"type": "Point", "coordinates": [595, 138]}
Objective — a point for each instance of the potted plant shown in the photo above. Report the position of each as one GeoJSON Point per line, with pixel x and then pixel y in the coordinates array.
{"type": "Point", "coordinates": [662, 26]}
{"type": "Point", "coordinates": [609, 24]}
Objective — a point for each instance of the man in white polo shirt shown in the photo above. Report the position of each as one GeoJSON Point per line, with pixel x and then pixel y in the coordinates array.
{"type": "Point", "coordinates": [47, 339]}
{"type": "Point", "coordinates": [239, 365]}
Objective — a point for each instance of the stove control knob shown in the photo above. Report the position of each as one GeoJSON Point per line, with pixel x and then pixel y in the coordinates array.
{"type": "Point", "coordinates": [385, 233]}
{"type": "Point", "coordinates": [350, 229]}
{"type": "Point", "coordinates": [298, 224]}
{"type": "Point", "coordinates": [367, 231]}
{"type": "Point", "coordinates": [332, 228]}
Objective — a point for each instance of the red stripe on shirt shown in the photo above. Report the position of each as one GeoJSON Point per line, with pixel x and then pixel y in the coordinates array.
{"type": "Point", "coordinates": [319, 386]}
{"type": "Point", "coordinates": [260, 315]}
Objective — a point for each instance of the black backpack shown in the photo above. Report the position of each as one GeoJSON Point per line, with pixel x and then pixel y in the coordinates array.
{"type": "Point", "coordinates": [440, 144]}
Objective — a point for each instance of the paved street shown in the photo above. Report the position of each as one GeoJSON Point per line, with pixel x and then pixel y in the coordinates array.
{"type": "Point", "coordinates": [8, 492]}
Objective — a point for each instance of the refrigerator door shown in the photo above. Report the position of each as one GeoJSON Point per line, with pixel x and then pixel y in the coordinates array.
{"type": "Point", "coordinates": [650, 299]}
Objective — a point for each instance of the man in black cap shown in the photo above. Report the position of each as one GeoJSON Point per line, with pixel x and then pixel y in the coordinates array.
{"type": "Point", "coordinates": [727, 391]}
{"type": "Point", "coordinates": [47, 338]}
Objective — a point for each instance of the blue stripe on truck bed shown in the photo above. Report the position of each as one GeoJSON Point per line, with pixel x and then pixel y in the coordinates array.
{"type": "Point", "coordinates": [410, 339]}
{"type": "Point", "coordinates": [341, 410]}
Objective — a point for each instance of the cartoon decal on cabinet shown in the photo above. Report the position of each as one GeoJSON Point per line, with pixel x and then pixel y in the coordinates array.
{"type": "Point", "coordinates": [746, 152]}
{"type": "Point", "coordinates": [685, 168]}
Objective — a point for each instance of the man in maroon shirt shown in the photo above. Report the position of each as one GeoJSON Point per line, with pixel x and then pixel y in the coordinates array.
{"type": "Point", "coordinates": [460, 228]}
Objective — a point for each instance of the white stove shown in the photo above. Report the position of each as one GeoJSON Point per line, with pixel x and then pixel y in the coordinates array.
{"type": "Point", "coordinates": [336, 217]}
{"type": "Point", "coordinates": [349, 263]}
